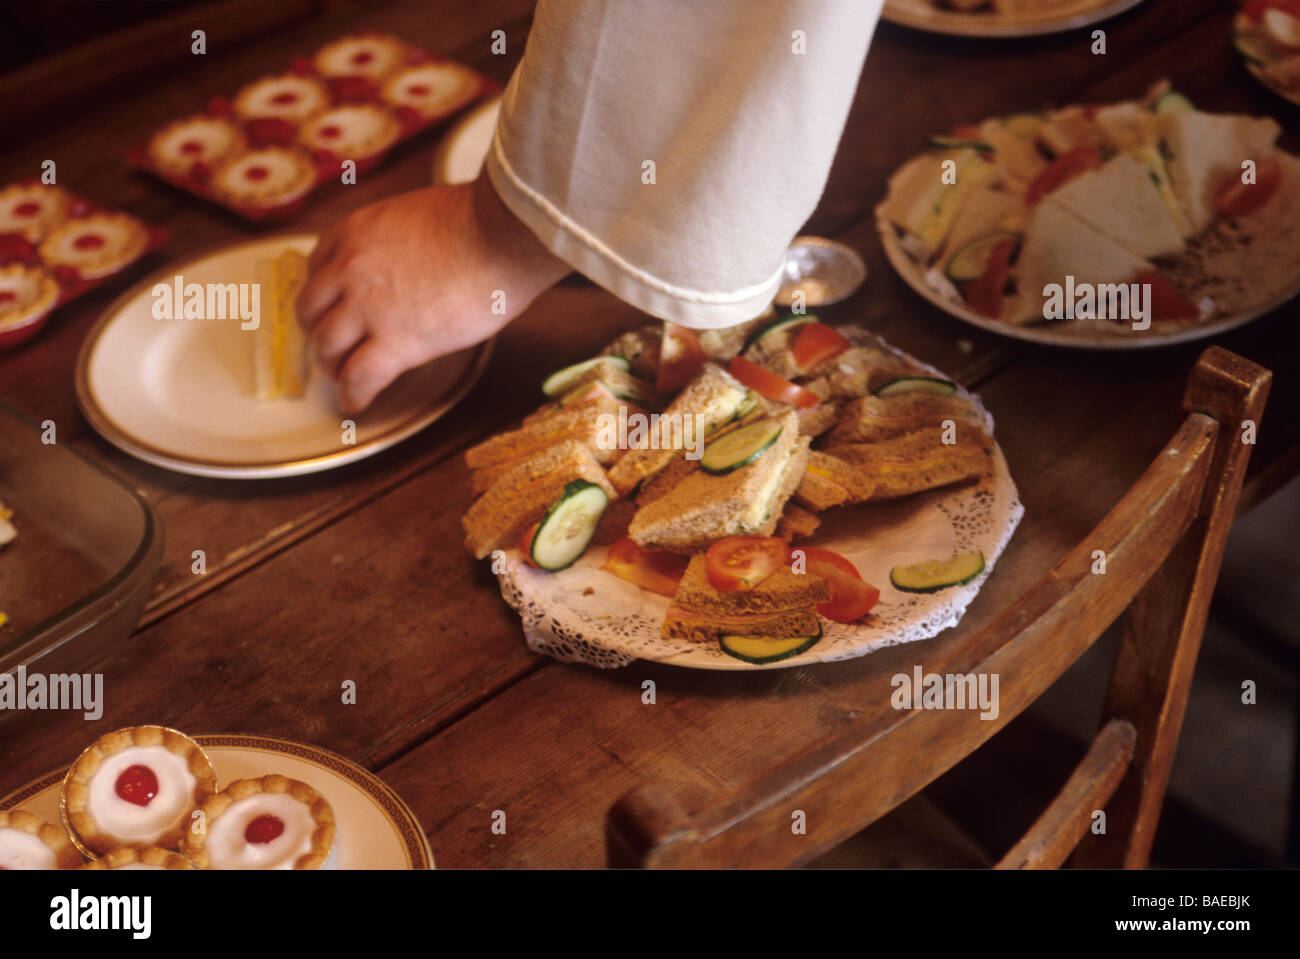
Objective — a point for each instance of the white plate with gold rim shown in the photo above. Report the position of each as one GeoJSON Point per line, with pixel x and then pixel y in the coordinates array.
{"type": "Point", "coordinates": [1055, 16]}
{"type": "Point", "coordinates": [375, 829]}
{"type": "Point", "coordinates": [178, 393]}
{"type": "Point", "coordinates": [462, 151]}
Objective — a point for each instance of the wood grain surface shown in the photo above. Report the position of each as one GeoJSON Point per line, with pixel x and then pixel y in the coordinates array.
{"type": "Point", "coordinates": [359, 574]}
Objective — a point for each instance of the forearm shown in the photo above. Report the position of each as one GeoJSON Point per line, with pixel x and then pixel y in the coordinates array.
{"type": "Point", "coordinates": [670, 152]}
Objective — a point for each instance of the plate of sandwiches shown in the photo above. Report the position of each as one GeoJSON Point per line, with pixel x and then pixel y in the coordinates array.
{"type": "Point", "coordinates": [1002, 18]}
{"type": "Point", "coordinates": [1267, 35]}
{"type": "Point", "coordinates": [1116, 226]}
{"type": "Point", "coordinates": [202, 368]}
{"type": "Point", "coordinates": [775, 494]}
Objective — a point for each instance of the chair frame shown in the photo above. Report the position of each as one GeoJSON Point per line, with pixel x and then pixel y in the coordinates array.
{"type": "Point", "coordinates": [1163, 544]}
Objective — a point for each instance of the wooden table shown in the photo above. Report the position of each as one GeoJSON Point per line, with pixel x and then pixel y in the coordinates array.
{"type": "Point", "coordinates": [358, 574]}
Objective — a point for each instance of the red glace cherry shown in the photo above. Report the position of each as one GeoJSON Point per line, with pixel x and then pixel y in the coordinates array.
{"type": "Point", "coordinates": [285, 98]}
{"type": "Point", "coordinates": [90, 241]}
{"type": "Point", "coordinates": [362, 57]}
{"type": "Point", "coordinates": [6, 296]}
{"type": "Point", "coordinates": [330, 133]}
{"type": "Point", "coordinates": [30, 208]}
{"type": "Point", "coordinates": [263, 829]}
{"type": "Point", "coordinates": [256, 173]}
{"type": "Point", "coordinates": [137, 784]}
{"type": "Point", "coordinates": [417, 90]}
{"type": "Point", "coordinates": [191, 147]}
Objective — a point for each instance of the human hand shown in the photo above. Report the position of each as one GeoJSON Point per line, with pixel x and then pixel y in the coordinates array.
{"type": "Point", "coordinates": [413, 277]}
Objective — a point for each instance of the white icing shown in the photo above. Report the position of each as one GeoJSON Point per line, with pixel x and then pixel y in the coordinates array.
{"type": "Point", "coordinates": [361, 130]}
{"type": "Point", "coordinates": [286, 175]}
{"type": "Point", "coordinates": [259, 99]}
{"type": "Point", "coordinates": [339, 58]}
{"type": "Point", "coordinates": [213, 136]}
{"type": "Point", "coordinates": [21, 850]}
{"type": "Point", "coordinates": [228, 849]}
{"type": "Point", "coordinates": [431, 88]}
{"type": "Point", "coordinates": [127, 821]}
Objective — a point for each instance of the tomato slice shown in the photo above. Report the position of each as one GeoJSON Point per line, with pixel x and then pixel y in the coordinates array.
{"type": "Point", "coordinates": [656, 570]}
{"type": "Point", "coordinates": [1242, 199]}
{"type": "Point", "coordinates": [1166, 302]}
{"type": "Point", "coordinates": [742, 562]}
{"type": "Point", "coordinates": [817, 343]}
{"type": "Point", "coordinates": [766, 383]}
{"type": "Point", "coordinates": [851, 596]}
{"type": "Point", "coordinates": [526, 545]}
{"type": "Point", "coordinates": [680, 358]}
{"type": "Point", "coordinates": [1062, 170]}
{"type": "Point", "coordinates": [967, 131]}
{"type": "Point", "coordinates": [984, 294]}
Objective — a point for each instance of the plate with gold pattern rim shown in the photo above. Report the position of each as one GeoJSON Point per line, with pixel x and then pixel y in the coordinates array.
{"type": "Point", "coordinates": [179, 393]}
{"type": "Point", "coordinates": [1057, 17]}
{"type": "Point", "coordinates": [375, 828]}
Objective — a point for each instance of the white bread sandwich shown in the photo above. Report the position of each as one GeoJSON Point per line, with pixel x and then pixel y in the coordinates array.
{"type": "Point", "coordinates": [280, 367]}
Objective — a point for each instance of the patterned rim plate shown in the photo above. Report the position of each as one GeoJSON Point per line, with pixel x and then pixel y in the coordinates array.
{"type": "Point", "coordinates": [376, 829]}
{"type": "Point", "coordinates": [583, 614]}
{"type": "Point", "coordinates": [1080, 334]}
{"type": "Point", "coordinates": [926, 15]}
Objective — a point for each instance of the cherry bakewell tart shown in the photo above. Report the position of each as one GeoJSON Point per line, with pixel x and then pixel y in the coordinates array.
{"type": "Point", "coordinates": [272, 176]}
{"type": "Point", "coordinates": [193, 145]}
{"type": "Point", "coordinates": [150, 857]}
{"type": "Point", "coordinates": [33, 209]}
{"type": "Point", "coordinates": [431, 89]}
{"type": "Point", "coordinates": [29, 842]}
{"type": "Point", "coordinates": [352, 132]}
{"type": "Point", "coordinates": [136, 787]}
{"type": "Point", "coordinates": [25, 293]}
{"type": "Point", "coordinates": [360, 55]}
{"type": "Point", "coordinates": [289, 96]}
{"type": "Point", "coordinates": [95, 245]}
{"type": "Point", "coordinates": [268, 823]}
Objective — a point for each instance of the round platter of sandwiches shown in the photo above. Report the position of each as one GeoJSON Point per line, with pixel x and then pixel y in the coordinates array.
{"type": "Point", "coordinates": [1267, 35]}
{"type": "Point", "coordinates": [1121, 225]}
{"type": "Point", "coordinates": [773, 494]}
{"type": "Point", "coordinates": [1002, 18]}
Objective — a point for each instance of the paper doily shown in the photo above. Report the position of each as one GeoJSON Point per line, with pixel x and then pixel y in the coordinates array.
{"type": "Point", "coordinates": [584, 615]}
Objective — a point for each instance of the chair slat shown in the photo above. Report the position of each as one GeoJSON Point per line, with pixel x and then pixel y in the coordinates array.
{"type": "Point", "coordinates": [1055, 833]}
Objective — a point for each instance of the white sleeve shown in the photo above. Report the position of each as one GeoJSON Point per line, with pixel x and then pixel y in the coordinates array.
{"type": "Point", "coordinates": [739, 106]}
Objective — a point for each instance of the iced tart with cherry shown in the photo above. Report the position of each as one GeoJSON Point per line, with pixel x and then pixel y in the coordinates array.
{"type": "Point", "coordinates": [29, 842]}
{"type": "Point", "coordinates": [268, 823]}
{"type": "Point", "coordinates": [136, 787]}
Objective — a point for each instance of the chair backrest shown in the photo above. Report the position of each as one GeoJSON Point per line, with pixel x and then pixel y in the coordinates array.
{"type": "Point", "coordinates": [1163, 544]}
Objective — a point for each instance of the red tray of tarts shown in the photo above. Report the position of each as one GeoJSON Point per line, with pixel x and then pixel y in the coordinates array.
{"type": "Point", "coordinates": [55, 246]}
{"type": "Point", "coordinates": [262, 152]}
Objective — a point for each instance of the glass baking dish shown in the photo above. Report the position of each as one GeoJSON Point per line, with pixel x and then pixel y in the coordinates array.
{"type": "Point", "coordinates": [75, 581]}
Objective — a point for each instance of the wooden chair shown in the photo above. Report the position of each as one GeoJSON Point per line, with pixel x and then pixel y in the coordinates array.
{"type": "Point", "coordinates": [1163, 544]}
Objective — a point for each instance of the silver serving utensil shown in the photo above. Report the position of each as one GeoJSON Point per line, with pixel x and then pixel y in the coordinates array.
{"type": "Point", "coordinates": [826, 272]}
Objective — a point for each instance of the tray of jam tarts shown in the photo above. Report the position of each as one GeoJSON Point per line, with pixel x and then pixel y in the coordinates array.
{"type": "Point", "coordinates": [262, 151]}
{"type": "Point", "coordinates": [151, 797]}
{"type": "Point", "coordinates": [55, 246]}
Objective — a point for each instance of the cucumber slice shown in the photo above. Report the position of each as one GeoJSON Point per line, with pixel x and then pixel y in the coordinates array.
{"type": "Point", "coordinates": [936, 574]}
{"type": "Point", "coordinates": [567, 528]}
{"type": "Point", "coordinates": [787, 322]}
{"type": "Point", "coordinates": [747, 405]}
{"type": "Point", "coordinates": [958, 143]}
{"type": "Point", "coordinates": [740, 447]}
{"type": "Point", "coordinates": [561, 381]}
{"type": "Point", "coordinates": [918, 384]}
{"type": "Point", "coordinates": [1171, 101]}
{"type": "Point", "coordinates": [970, 261]}
{"type": "Point", "coordinates": [767, 649]}
{"type": "Point", "coordinates": [1024, 125]}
